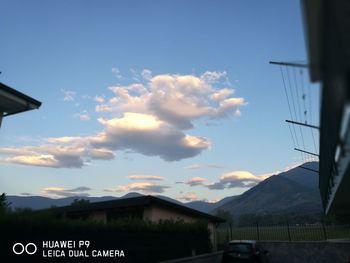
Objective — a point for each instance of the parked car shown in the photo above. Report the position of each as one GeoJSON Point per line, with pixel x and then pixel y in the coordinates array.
{"type": "Point", "coordinates": [244, 251]}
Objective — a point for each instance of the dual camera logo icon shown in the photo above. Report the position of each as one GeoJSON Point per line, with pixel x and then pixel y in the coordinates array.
{"type": "Point", "coordinates": [20, 248]}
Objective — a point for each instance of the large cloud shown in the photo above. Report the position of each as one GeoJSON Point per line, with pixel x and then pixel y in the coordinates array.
{"type": "Point", "coordinates": [141, 133]}
{"type": "Point", "coordinates": [67, 152]}
{"type": "Point", "coordinates": [176, 99]}
{"type": "Point", "coordinates": [147, 118]}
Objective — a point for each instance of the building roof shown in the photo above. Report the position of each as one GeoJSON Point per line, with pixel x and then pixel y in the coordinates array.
{"type": "Point", "coordinates": [13, 101]}
{"type": "Point", "coordinates": [137, 202]}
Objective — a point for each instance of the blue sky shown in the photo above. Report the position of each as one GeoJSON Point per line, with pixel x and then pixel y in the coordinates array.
{"type": "Point", "coordinates": [178, 95]}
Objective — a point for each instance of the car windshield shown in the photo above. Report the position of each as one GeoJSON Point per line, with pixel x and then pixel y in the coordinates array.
{"type": "Point", "coordinates": [240, 248]}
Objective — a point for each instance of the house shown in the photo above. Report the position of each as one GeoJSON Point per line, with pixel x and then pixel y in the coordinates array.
{"type": "Point", "coordinates": [148, 208]}
{"type": "Point", "coordinates": [327, 27]}
{"type": "Point", "coordinates": [13, 102]}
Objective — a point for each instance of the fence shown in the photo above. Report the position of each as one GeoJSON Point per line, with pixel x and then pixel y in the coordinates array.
{"type": "Point", "coordinates": [285, 232]}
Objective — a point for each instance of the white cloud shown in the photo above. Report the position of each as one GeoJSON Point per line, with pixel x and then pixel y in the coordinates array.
{"type": "Point", "coordinates": [149, 136]}
{"type": "Point", "coordinates": [140, 133]}
{"type": "Point", "coordinates": [151, 121]}
{"type": "Point", "coordinates": [203, 166]}
{"type": "Point", "coordinates": [196, 181]}
{"type": "Point", "coordinates": [236, 179]}
{"type": "Point", "coordinates": [146, 187]}
{"type": "Point", "coordinates": [63, 192]}
{"type": "Point", "coordinates": [68, 95]}
{"type": "Point", "coordinates": [176, 99]}
{"type": "Point", "coordinates": [83, 115]}
{"type": "Point", "coordinates": [146, 74]}
{"type": "Point", "coordinates": [62, 152]}
{"type": "Point", "coordinates": [213, 76]}
{"type": "Point", "coordinates": [99, 99]}
{"type": "Point", "coordinates": [116, 73]}
{"type": "Point", "coordinates": [190, 196]}
{"type": "Point", "coordinates": [146, 177]}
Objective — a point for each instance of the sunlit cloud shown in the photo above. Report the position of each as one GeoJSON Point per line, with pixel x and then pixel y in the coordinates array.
{"type": "Point", "coordinates": [146, 177]}
{"type": "Point", "coordinates": [149, 118]}
{"type": "Point", "coordinates": [99, 99]}
{"type": "Point", "coordinates": [63, 152]}
{"type": "Point", "coordinates": [176, 99]}
{"type": "Point", "coordinates": [190, 196]}
{"type": "Point", "coordinates": [149, 136]}
{"type": "Point", "coordinates": [203, 166]}
{"type": "Point", "coordinates": [83, 115]}
{"type": "Point", "coordinates": [237, 179]}
{"type": "Point", "coordinates": [63, 192]}
{"type": "Point", "coordinates": [196, 181]}
{"type": "Point", "coordinates": [145, 187]}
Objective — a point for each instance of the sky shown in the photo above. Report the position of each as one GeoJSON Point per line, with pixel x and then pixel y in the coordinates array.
{"type": "Point", "coordinates": [158, 97]}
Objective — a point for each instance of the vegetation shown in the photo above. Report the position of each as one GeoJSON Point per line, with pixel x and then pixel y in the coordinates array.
{"type": "Point", "coordinates": [79, 202]}
{"type": "Point", "coordinates": [224, 214]}
{"type": "Point", "coordinates": [4, 205]}
{"type": "Point", "coordinates": [142, 241]}
{"type": "Point", "coordinates": [280, 219]}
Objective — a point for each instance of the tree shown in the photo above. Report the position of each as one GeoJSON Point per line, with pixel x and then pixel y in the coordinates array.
{"type": "Point", "coordinates": [79, 202]}
{"type": "Point", "coordinates": [224, 214]}
{"type": "Point", "coordinates": [4, 205]}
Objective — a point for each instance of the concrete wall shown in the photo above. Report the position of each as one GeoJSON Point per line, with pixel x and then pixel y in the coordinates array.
{"type": "Point", "coordinates": [308, 252]}
{"type": "Point", "coordinates": [155, 213]}
{"type": "Point", "coordinates": [205, 258]}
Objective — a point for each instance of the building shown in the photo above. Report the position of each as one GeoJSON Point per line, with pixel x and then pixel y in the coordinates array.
{"type": "Point", "coordinates": [148, 208]}
{"type": "Point", "coordinates": [327, 26]}
{"type": "Point", "coordinates": [13, 102]}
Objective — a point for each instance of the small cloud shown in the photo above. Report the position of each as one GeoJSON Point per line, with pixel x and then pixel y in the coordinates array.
{"type": "Point", "coordinates": [146, 74]}
{"type": "Point", "coordinates": [63, 192]}
{"type": "Point", "coordinates": [146, 187]}
{"type": "Point", "coordinates": [236, 179]}
{"type": "Point", "coordinates": [116, 73]}
{"type": "Point", "coordinates": [68, 95]}
{"type": "Point", "coordinates": [203, 166]}
{"type": "Point", "coordinates": [100, 99]}
{"type": "Point", "coordinates": [135, 75]}
{"type": "Point", "coordinates": [86, 97]}
{"type": "Point", "coordinates": [190, 196]}
{"type": "Point", "coordinates": [196, 181]}
{"type": "Point", "coordinates": [146, 177]}
{"type": "Point", "coordinates": [25, 194]}
{"type": "Point", "coordinates": [213, 76]}
{"type": "Point", "coordinates": [83, 115]}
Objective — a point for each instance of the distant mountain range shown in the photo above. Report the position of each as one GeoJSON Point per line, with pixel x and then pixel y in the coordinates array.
{"type": "Point", "coordinates": [293, 191]}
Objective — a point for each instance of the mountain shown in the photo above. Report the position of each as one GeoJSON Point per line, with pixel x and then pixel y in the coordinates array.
{"type": "Point", "coordinates": [40, 202]}
{"type": "Point", "coordinates": [208, 207]}
{"type": "Point", "coordinates": [304, 177]}
{"type": "Point", "coordinates": [293, 191]}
